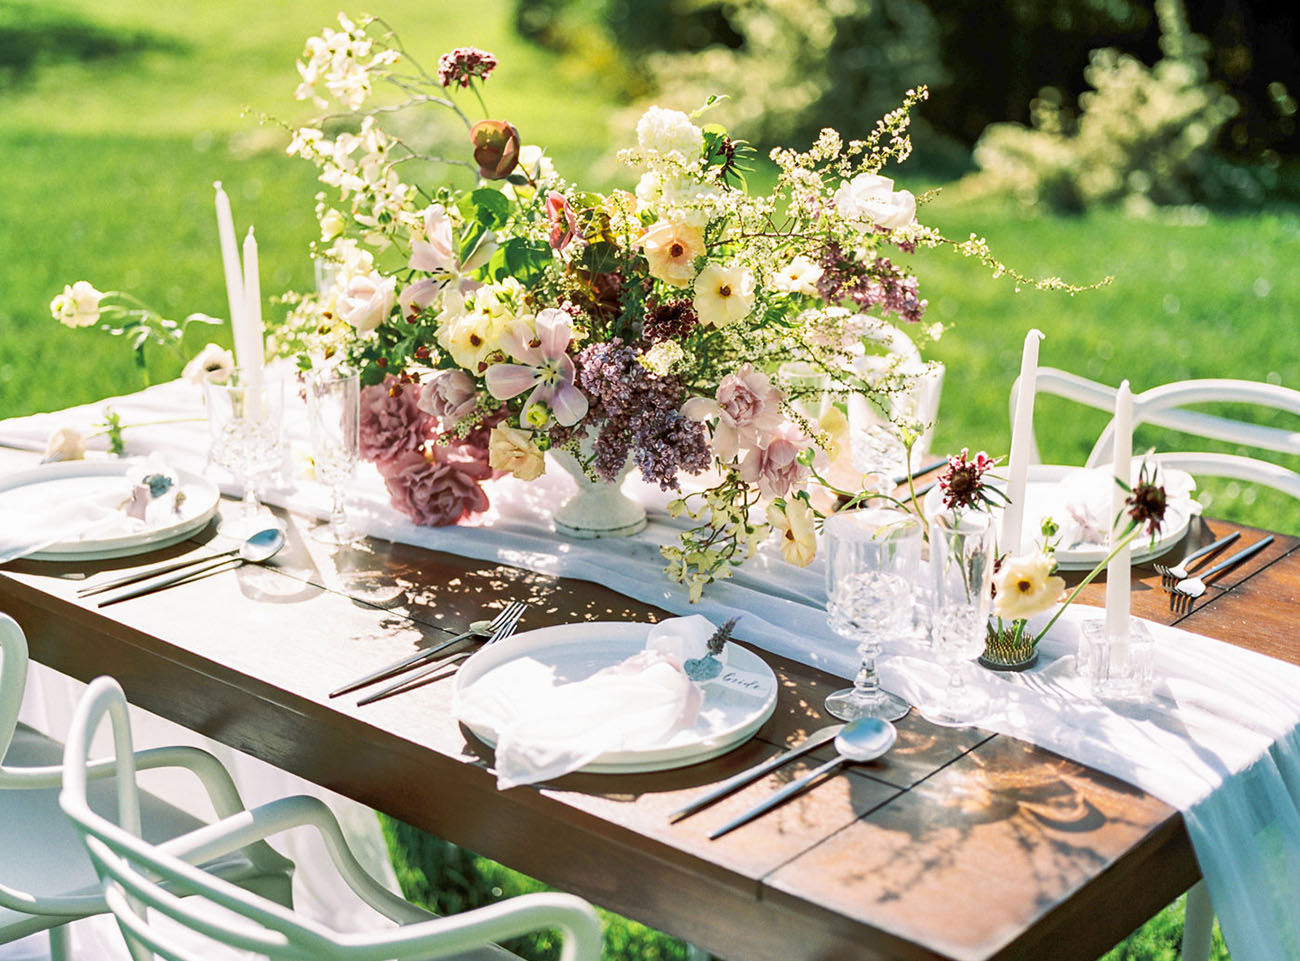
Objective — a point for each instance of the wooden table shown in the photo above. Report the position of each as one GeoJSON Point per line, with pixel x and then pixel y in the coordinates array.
{"type": "Point", "coordinates": [958, 845]}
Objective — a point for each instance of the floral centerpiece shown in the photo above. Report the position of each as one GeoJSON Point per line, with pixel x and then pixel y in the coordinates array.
{"type": "Point", "coordinates": [648, 326]}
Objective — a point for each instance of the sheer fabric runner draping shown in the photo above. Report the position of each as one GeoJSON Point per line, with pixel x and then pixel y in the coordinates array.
{"type": "Point", "coordinates": [1220, 741]}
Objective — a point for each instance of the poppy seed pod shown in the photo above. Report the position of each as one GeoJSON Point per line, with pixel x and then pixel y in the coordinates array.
{"type": "Point", "coordinates": [496, 148]}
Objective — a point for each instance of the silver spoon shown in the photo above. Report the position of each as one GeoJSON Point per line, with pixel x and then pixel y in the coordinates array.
{"type": "Point", "coordinates": [257, 549]}
{"type": "Point", "coordinates": [865, 739]}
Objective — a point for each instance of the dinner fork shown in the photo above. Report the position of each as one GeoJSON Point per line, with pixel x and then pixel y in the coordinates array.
{"type": "Point", "coordinates": [1169, 576]}
{"type": "Point", "coordinates": [1190, 588]}
{"type": "Point", "coordinates": [505, 624]}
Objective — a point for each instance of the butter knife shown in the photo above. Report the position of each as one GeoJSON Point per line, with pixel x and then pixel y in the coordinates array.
{"type": "Point", "coordinates": [813, 741]}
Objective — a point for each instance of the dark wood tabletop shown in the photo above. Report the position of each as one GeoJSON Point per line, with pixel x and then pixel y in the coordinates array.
{"type": "Point", "coordinates": [957, 845]}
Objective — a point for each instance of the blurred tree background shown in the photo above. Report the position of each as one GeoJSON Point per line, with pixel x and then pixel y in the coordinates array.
{"type": "Point", "coordinates": [805, 64]}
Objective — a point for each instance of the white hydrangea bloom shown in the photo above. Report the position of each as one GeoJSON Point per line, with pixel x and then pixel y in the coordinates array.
{"type": "Point", "coordinates": [663, 131]}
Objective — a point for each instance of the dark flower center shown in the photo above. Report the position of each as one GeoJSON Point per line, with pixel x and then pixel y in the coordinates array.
{"type": "Point", "coordinates": [676, 250]}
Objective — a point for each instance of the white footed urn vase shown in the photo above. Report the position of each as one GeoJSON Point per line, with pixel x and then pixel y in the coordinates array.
{"type": "Point", "coordinates": [599, 508]}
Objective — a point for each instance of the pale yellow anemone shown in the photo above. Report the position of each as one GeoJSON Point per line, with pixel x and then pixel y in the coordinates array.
{"type": "Point", "coordinates": [1025, 586]}
{"type": "Point", "coordinates": [794, 522]}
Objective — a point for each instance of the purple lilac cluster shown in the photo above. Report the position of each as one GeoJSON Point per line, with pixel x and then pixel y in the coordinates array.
{"type": "Point", "coordinates": [639, 413]}
{"type": "Point", "coordinates": [879, 284]}
{"type": "Point", "coordinates": [463, 64]}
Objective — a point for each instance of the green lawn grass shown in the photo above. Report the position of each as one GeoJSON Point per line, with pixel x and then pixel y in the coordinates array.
{"type": "Point", "coordinates": [109, 170]}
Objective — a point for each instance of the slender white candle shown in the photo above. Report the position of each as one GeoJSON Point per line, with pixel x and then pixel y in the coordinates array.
{"type": "Point", "coordinates": [1117, 573]}
{"type": "Point", "coordinates": [1022, 433]}
{"type": "Point", "coordinates": [252, 315]}
{"type": "Point", "coordinates": [230, 261]}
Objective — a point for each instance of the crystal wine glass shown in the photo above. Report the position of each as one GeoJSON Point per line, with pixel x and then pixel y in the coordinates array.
{"type": "Point", "coordinates": [333, 415]}
{"type": "Point", "coordinates": [245, 414]}
{"type": "Point", "coordinates": [872, 560]}
{"type": "Point", "coordinates": [961, 564]}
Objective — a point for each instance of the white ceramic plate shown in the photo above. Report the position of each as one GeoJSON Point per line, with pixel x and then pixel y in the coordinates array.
{"type": "Point", "coordinates": [69, 481]}
{"type": "Point", "coordinates": [1042, 498]}
{"type": "Point", "coordinates": [577, 651]}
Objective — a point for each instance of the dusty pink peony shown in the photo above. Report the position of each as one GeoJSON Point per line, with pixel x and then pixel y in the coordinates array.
{"type": "Point", "coordinates": [438, 489]}
{"type": "Point", "coordinates": [775, 466]}
{"type": "Point", "coordinates": [449, 396]}
{"type": "Point", "coordinates": [748, 408]}
{"type": "Point", "coordinates": [392, 423]}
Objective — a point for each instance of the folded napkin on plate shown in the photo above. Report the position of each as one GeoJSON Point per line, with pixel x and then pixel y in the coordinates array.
{"type": "Point", "coordinates": [1080, 502]}
{"type": "Point", "coordinates": [141, 498]}
{"type": "Point", "coordinates": [543, 729]}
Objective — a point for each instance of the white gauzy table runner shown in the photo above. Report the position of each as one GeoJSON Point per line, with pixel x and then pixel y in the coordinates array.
{"type": "Point", "coordinates": [1220, 741]}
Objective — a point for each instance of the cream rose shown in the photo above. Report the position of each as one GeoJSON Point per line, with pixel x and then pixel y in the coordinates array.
{"type": "Point", "coordinates": [366, 301]}
{"type": "Point", "coordinates": [872, 198]}
{"type": "Point", "coordinates": [65, 443]}
{"type": "Point", "coordinates": [512, 450]}
{"type": "Point", "coordinates": [77, 306]}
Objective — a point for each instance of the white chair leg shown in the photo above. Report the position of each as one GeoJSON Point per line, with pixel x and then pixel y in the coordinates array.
{"type": "Point", "coordinates": [60, 938]}
{"type": "Point", "coordinates": [696, 953]}
{"type": "Point", "coordinates": [1198, 923]}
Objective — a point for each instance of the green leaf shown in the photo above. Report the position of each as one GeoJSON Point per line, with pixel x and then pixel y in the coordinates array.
{"type": "Point", "coordinates": [487, 206]}
{"type": "Point", "coordinates": [521, 258]}
{"type": "Point", "coordinates": [600, 258]}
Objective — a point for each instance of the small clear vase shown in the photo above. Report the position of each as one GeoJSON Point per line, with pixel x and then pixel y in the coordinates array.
{"type": "Point", "coordinates": [961, 565]}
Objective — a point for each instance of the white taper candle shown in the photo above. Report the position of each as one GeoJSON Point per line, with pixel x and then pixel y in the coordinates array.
{"type": "Point", "coordinates": [1117, 573]}
{"type": "Point", "coordinates": [1022, 435]}
{"type": "Point", "coordinates": [230, 262]}
{"type": "Point", "coordinates": [252, 318]}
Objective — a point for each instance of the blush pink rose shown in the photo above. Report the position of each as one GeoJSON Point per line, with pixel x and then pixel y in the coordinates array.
{"type": "Point", "coordinates": [392, 422]}
{"type": "Point", "coordinates": [449, 396]}
{"type": "Point", "coordinates": [437, 490]}
{"type": "Point", "coordinates": [748, 408]}
{"type": "Point", "coordinates": [775, 467]}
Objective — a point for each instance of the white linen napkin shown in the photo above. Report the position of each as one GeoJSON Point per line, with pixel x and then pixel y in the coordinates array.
{"type": "Point", "coordinates": [1080, 502]}
{"type": "Point", "coordinates": [28, 525]}
{"type": "Point", "coordinates": [543, 729]}
{"type": "Point", "coordinates": [31, 521]}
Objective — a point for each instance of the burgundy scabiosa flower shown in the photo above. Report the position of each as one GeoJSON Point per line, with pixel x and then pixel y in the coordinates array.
{"type": "Point", "coordinates": [1146, 501]}
{"type": "Point", "coordinates": [463, 64]}
{"type": "Point", "coordinates": [671, 320]}
{"type": "Point", "coordinates": [962, 481]}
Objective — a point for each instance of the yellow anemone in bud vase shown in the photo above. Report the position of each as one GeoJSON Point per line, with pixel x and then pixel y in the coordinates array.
{"type": "Point", "coordinates": [1026, 586]}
